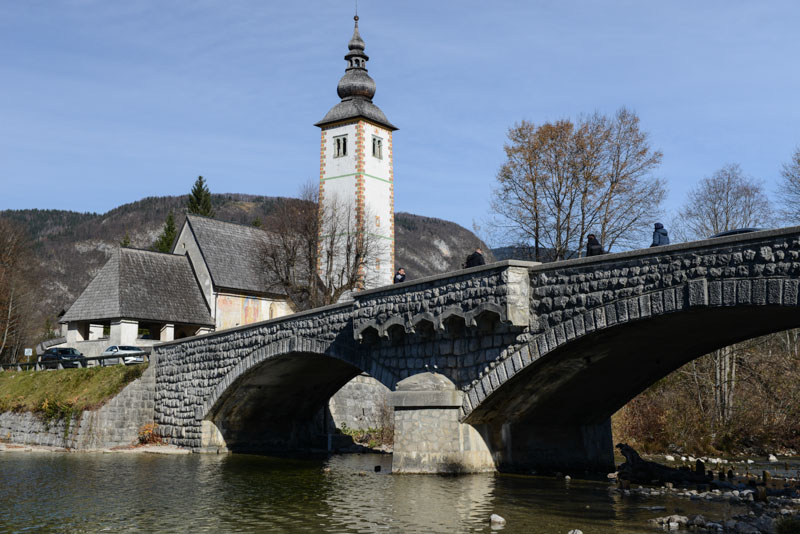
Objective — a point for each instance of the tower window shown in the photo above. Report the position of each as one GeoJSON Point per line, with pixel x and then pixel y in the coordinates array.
{"type": "Point", "coordinates": [377, 147]}
{"type": "Point", "coordinates": [340, 146]}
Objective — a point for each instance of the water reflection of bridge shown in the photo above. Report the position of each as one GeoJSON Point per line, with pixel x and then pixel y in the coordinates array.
{"type": "Point", "coordinates": [530, 360]}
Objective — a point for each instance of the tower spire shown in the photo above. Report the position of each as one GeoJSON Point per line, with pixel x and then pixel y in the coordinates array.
{"type": "Point", "coordinates": [356, 88]}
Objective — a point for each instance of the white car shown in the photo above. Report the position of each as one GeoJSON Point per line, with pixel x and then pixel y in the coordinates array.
{"type": "Point", "coordinates": [129, 354]}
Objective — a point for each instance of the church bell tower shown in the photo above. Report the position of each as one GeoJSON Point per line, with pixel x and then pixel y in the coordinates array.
{"type": "Point", "coordinates": [356, 184]}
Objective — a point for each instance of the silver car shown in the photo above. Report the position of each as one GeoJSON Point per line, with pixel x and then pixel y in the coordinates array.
{"type": "Point", "coordinates": [127, 353]}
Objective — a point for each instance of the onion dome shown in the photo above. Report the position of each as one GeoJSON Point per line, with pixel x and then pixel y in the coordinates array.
{"type": "Point", "coordinates": [356, 88]}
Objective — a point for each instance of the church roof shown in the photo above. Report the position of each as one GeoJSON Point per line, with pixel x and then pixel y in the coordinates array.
{"type": "Point", "coordinates": [233, 254]}
{"type": "Point", "coordinates": [143, 285]}
{"type": "Point", "coordinates": [356, 89]}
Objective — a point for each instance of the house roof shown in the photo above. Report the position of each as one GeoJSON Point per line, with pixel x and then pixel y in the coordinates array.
{"type": "Point", "coordinates": [233, 254]}
{"type": "Point", "coordinates": [144, 285]}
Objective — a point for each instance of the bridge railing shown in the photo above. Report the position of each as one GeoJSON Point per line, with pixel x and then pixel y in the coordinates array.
{"type": "Point", "coordinates": [80, 363]}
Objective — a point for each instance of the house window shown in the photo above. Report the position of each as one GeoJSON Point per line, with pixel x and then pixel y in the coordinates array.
{"type": "Point", "coordinates": [377, 147]}
{"type": "Point", "coordinates": [377, 263]}
{"type": "Point", "coordinates": [340, 146]}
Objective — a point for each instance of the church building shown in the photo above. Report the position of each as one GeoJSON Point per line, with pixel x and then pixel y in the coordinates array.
{"type": "Point", "coordinates": [214, 278]}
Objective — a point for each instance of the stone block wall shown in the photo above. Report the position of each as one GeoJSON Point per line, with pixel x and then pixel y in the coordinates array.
{"type": "Point", "coordinates": [361, 404]}
{"type": "Point", "coordinates": [115, 424]}
{"type": "Point", "coordinates": [192, 373]}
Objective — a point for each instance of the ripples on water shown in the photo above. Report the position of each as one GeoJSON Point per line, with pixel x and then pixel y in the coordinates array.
{"type": "Point", "coordinates": [54, 492]}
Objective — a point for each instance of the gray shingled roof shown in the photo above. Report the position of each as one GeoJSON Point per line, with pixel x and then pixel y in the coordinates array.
{"type": "Point", "coordinates": [233, 253]}
{"type": "Point", "coordinates": [144, 285]}
{"type": "Point", "coordinates": [356, 88]}
{"type": "Point", "coordinates": [353, 108]}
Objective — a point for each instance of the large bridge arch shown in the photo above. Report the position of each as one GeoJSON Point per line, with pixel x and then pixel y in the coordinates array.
{"type": "Point", "coordinates": [256, 387]}
{"type": "Point", "coordinates": [274, 401]}
{"type": "Point", "coordinates": [585, 368]}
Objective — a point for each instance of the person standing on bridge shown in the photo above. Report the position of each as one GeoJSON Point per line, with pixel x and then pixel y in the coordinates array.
{"type": "Point", "coordinates": [660, 237]}
{"type": "Point", "coordinates": [475, 259]}
{"type": "Point", "coordinates": [593, 246]}
{"type": "Point", "coordinates": [400, 276]}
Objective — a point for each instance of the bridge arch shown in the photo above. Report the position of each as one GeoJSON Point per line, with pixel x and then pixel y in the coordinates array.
{"type": "Point", "coordinates": [274, 399]}
{"type": "Point", "coordinates": [585, 366]}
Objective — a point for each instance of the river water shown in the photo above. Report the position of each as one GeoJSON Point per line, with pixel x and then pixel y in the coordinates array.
{"type": "Point", "coordinates": [94, 492]}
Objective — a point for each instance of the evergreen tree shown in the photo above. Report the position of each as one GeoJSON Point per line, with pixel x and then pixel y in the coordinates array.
{"type": "Point", "coordinates": [164, 242]}
{"type": "Point", "coordinates": [126, 241]}
{"type": "Point", "coordinates": [200, 199]}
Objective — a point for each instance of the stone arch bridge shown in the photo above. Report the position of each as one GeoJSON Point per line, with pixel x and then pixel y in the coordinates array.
{"type": "Point", "coordinates": [512, 365]}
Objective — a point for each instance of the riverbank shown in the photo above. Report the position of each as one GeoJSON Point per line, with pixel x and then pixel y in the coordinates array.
{"type": "Point", "coordinates": [126, 401]}
{"type": "Point", "coordinates": [774, 514]}
{"type": "Point", "coordinates": [58, 394]}
{"type": "Point", "coordinates": [764, 495]}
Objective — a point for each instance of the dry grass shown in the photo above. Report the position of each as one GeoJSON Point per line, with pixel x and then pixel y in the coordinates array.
{"type": "Point", "coordinates": [60, 393]}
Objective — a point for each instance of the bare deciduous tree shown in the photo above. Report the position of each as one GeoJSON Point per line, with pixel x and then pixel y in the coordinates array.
{"type": "Point", "coordinates": [15, 291]}
{"type": "Point", "coordinates": [316, 256]}
{"type": "Point", "coordinates": [562, 181]}
{"type": "Point", "coordinates": [724, 201]}
{"type": "Point", "coordinates": [789, 190]}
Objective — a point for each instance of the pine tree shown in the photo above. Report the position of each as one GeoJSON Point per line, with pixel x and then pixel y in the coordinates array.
{"type": "Point", "coordinates": [164, 242]}
{"type": "Point", "coordinates": [126, 241]}
{"type": "Point", "coordinates": [200, 199]}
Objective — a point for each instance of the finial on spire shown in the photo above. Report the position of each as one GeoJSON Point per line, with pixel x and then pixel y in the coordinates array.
{"type": "Point", "coordinates": [356, 88]}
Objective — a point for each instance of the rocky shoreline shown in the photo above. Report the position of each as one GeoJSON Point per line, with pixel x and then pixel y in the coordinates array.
{"type": "Point", "coordinates": [759, 517]}
{"type": "Point", "coordinates": [769, 504]}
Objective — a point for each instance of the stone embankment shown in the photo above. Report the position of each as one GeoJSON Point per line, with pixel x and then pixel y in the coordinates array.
{"type": "Point", "coordinates": [115, 424]}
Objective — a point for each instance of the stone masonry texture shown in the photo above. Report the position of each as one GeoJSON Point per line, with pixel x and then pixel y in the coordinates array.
{"type": "Point", "coordinates": [115, 424]}
{"type": "Point", "coordinates": [480, 327]}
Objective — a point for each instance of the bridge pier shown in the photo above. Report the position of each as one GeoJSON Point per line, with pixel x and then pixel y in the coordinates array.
{"type": "Point", "coordinates": [429, 438]}
{"type": "Point", "coordinates": [565, 447]}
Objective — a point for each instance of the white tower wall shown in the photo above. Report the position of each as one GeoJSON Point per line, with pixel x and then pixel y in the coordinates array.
{"type": "Point", "coordinates": [359, 184]}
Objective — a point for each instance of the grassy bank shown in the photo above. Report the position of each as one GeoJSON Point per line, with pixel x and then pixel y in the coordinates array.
{"type": "Point", "coordinates": [57, 394]}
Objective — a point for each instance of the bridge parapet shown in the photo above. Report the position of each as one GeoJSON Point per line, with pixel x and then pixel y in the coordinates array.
{"type": "Point", "coordinates": [501, 290]}
{"type": "Point", "coordinates": [766, 264]}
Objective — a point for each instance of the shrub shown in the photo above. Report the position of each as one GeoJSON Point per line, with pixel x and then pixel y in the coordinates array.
{"type": "Point", "coordinates": [148, 435]}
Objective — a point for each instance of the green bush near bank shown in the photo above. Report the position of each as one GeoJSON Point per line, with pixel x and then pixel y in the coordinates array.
{"type": "Point", "coordinates": [61, 393]}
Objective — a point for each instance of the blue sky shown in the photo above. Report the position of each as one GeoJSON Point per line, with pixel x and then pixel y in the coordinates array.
{"type": "Point", "coordinates": [106, 102]}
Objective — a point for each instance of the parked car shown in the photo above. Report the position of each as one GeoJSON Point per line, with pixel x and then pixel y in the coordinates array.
{"type": "Point", "coordinates": [67, 357]}
{"type": "Point", "coordinates": [127, 353]}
